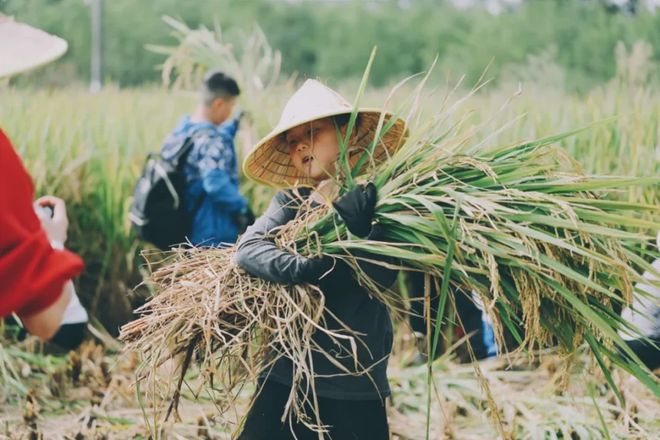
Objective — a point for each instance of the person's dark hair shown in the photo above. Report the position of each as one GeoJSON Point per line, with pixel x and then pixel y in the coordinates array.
{"type": "Point", "coordinates": [218, 85]}
{"type": "Point", "coordinates": [343, 119]}
{"type": "Point", "coordinates": [340, 121]}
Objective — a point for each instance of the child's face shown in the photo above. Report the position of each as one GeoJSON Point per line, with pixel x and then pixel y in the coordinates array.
{"type": "Point", "coordinates": [314, 148]}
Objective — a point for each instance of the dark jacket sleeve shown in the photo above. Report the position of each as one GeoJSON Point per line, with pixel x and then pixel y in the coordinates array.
{"type": "Point", "coordinates": [257, 253]}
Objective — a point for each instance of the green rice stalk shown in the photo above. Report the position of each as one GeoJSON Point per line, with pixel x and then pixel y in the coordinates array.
{"type": "Point", "coordinates": [530, 241]}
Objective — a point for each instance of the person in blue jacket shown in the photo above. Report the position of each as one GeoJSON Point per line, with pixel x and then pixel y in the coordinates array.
{"type": "Point", "coordinates": [218, 211]}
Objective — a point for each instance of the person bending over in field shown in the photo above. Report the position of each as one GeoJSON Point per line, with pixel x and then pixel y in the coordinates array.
{"type": "Point", "coordinates": [218, 211]}
{"type": "Point", "coordinates": [35, 269]}
{"type": "Point", "coordinates": [301, 154]}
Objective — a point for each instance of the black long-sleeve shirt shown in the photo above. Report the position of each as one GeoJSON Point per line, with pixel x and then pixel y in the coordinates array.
{"type": "Point", "coordinates": [258, 254]}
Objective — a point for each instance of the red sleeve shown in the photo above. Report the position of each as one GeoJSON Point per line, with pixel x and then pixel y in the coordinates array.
{"type": "Point", "coordinates": [32, 273]}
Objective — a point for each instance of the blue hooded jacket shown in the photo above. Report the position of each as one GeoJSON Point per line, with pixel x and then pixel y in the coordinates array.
{"type": "Point", "coordinates": [211, 172]}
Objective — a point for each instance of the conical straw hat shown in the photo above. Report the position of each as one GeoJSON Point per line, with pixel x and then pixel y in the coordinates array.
{"type": "Point", "coordinates": [24, 47]}
{"type": "Point", "coordinates": [269, 161]}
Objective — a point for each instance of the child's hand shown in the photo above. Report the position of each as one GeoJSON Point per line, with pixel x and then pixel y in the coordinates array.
{"type": "Point", "coordinates": [356, 208]}
{"type": "Point", "coordinates": [316, 267]}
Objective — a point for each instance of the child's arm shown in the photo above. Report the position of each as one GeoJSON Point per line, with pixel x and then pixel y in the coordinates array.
{"type": "Point", "coordinates": [258, 254]}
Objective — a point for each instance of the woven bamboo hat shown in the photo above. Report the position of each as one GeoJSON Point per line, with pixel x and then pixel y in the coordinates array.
{"type": "Point", "coordinates": [269, 161]}
{"type": "Point", "coordinates": [23, 47]}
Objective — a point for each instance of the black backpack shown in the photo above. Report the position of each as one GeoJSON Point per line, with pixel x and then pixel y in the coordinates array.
{"type": "Point", "coordinates": [157, 213]}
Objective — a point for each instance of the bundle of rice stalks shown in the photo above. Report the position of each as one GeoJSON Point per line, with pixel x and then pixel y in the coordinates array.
{"type": "Point", "coordinates": [544, 246]}
{"type": "Point", "coordinates": [549, 256]}
{"type": "Point", "coordinates": [248, 57]}
{"type": "Point", "coordinates": [234, 325]}
{"type": "Point", "coordinates": [551, 261]}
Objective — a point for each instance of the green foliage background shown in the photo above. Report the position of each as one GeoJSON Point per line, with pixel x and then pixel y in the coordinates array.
{"type": "Point", "coordinates": [331, 39]}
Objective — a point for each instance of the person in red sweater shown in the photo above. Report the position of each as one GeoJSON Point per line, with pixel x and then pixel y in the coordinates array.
{"type": "Point", "coordinates": [35, 269]}
{"type": "Point", "coordinates": [35, 276]}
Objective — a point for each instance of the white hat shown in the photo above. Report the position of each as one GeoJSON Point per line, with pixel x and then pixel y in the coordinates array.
{"type": "Point", "coordinates": [23, 47]}
{"type": "Point", "coordinates": [269, 161]}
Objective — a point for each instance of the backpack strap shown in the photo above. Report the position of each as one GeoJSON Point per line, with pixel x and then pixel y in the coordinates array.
{"type": "Point", "coordinates": [179, 159]}
{"type": "Point", "coordinates": [183, 151]}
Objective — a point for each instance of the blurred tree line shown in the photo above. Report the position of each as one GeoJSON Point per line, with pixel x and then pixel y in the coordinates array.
{"type": "Point", "coordinates": [332, 39]}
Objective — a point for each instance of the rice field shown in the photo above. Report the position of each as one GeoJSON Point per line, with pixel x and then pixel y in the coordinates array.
{"type": "Point", "coordinates": [89, 149]}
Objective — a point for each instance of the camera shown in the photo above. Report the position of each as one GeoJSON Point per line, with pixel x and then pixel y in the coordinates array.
{"type": "Point", "coordinates": [45, 211]}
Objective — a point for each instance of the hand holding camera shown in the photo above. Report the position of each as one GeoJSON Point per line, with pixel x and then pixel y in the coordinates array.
{"type": "Point", "coordinates": [51, 211]}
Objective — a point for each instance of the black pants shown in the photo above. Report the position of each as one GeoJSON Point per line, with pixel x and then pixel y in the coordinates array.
{"type": "Point", "coordinates": [646, 352]}
{"type": "Point", "coordinates": [348, 419]}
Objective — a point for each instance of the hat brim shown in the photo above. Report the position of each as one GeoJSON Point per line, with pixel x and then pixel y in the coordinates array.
{"type": "Point", "coordinates": [269, 161]}
{"type": "Point", "coordinates": [23, 47]}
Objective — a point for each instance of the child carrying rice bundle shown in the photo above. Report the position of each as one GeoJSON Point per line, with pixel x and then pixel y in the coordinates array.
{"type": "Point", "coordinates": [303, 150]}
{"type": "Point", "coordinates": [309, 318]}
